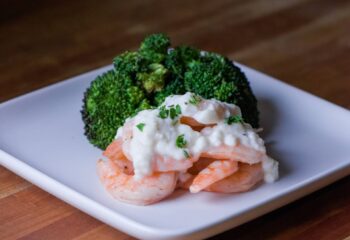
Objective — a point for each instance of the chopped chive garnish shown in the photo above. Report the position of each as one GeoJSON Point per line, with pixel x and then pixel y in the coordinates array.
{"type": "Point", "coordinates": [163, 112]}
{"type": "Point", "coordinates": [178, 109]}
{"type": "Point", "coordinates": [181, 141]}
{"type": "Point", "coordinates": [140, 126]}
{"type": "Point", "coordinates": [234, 119]}
{"type": "Point", "coordinates": [171, 112]}
{"type": "Point", "coordinates": [195, 99]}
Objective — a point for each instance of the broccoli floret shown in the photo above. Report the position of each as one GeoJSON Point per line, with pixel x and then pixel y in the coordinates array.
{"type": "Point", "coordinates": [214, 76]}
{"type": "Point", "coordinates": [109, 100]}
{"type": "Point", "coordinates": [130, 63]}
{"type": "Point", "coordinates": [176, 86]}
{"type": "Point", "coordinates": [153, 80]}
{"type": "Point", "coordinates": [176, 62]}
{"type": "Point", "coordinates": [155, 47]}
{"type": "Point", "coordinates": [121, 93]}
{"type": "Point", "coordinates": [143, 66]}
{"type": "Point", "coordinates": [178, 59]}
{"type": "Point", "coordinates": [142, 79]}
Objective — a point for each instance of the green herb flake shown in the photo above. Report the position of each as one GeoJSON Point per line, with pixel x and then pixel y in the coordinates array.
{"type": "Point", "coordinates": [172, 113]}
{"type": "Point", "coordinates": [175, 111]}
{"type": "Point", "coordinates": [195, 99]}
{"type": "Point", "coordinates": [163, 112]}
{"type": "Point", "coordinates": [187, 155]}
{"type": "Point", "coordinates": [178, 109]}
{"type": "Point", "coordinates": [140, 126]}
{"type": "Point", "coordinates": [181, 141]}
{"type": "Point", "coordinates": [234, 119]}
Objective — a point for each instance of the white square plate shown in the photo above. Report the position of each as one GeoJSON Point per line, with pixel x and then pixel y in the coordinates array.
{"type": "Point", "coordinates": [42, 140]}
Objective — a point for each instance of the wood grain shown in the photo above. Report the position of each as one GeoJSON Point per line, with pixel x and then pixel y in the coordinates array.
{"type": "Point", "coordinates": [303, 42]}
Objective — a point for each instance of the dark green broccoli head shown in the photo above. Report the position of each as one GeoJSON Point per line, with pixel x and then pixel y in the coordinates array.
{"type": "Point", "coordinates": [143, 79]}
{"type": "Point", "coordinates": [178, 59]}
{"type": "Point", "coordinates": [176, 86]}
{"type": "Point", "coordinates": [130, 63]}
{"type": "Point", "coordinates": [143, 66]}
{"type": "Point", "coordinates": [109, 100]}
{"type": "Point", "coordinates": [214, 76]}
{"type": "Point", "coordinates": [176, 62]}
{"type": "Point", "coordinates": [155, 47]}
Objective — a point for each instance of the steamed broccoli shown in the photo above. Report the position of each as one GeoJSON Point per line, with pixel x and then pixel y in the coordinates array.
{"type": "Point", "coordinates": [214, 76]}
{"type": "Point", "coordinates": [144, 78]}
{"type": "Point", "coordinates": [122, 92]}
{"type": "Point", "coordinates": [155, 47]}
{"type": "Point", "coordinates": [153, 79]}
{"type": "Point", "coordinates": [176, 62]}
{"type": "Point", "coordinates": [109, 100]}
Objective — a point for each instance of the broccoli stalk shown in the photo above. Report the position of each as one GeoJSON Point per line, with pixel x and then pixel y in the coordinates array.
{"type": "Point", "coordinates": [144, 78]}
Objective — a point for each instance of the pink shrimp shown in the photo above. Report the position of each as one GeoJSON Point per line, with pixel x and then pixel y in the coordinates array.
{"type": "Point", "coordinates": [235, 153]}
{"type": "Point", "coordinates": [214, 172]}
{"type": "Point", "coordinates": [210, 174]}
{"type": "Point", "coordinates": [186, 178]}
{"type": "Point", "coordinates": [244, 179]}
{"type": "Point", "coordinates": [219, 169]}
{"type": "Point", "coordinates": [116, 153]}
{"type": "Point", "coordinates": [238, 153]}
{"type": "Point", "coordinates": [126, 188]}
{"type": "Point", "coordinates": [119, 149]}
{"type": "Point", "coordinates": [194, 124]}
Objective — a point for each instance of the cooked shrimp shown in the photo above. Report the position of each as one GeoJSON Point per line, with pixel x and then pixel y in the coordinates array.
{"type": "Point", "coordinates": [126, 188]}
{"type": "Point", "coordinates": [186, 178]}
{"type": "Point", "coordinates": [120, 149]}
{"type": "Point", "coordinates": [194, 124]}
{"type": "Point", "coordinates": [244, 179]}
{"type": "Point", "coordinates": [114, 152]}
{"type": "Point", "coordinates": [124, 165]}
{"type": "Point", "coordinates": [165, 164]}
{"type": "Point", "coordinates": [192, 143]}
{"type": "Point", "coordinates": [214, 172]}
{"type": "Point", "coordinates": [117, 153]}
{"type": "Point", "coordinates": [238, 153]}
{"type": "Point", "coordinates": [200, 165]}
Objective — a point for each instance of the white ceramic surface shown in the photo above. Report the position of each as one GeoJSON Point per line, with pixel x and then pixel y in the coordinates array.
{"type": "Point", "coordinates": [41, 139]}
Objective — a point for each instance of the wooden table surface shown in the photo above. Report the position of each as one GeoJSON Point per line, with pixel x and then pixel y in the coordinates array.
{"type": "Point", "coordinates": [303, 42]}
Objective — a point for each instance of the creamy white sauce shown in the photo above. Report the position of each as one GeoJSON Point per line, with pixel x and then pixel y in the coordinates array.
{"type": "Point", "coordinates": [270, 168]}
{"type": "Point", "coordinates": [206, 112]}
{"type": "Point", "coordinates": [158, 135]}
